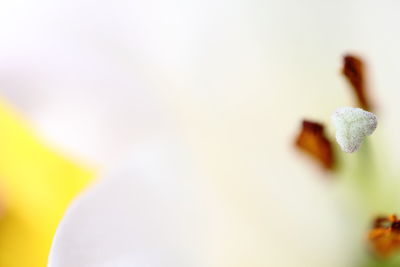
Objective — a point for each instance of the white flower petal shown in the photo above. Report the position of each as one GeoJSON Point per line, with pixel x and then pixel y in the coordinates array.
{"type": "Point", "coordinates": [89, 75]}
{"type": "Point", "coordinates": [160, 209]}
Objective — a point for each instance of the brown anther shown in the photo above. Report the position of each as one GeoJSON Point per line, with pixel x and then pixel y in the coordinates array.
{"type": "Point", "coordinates": [354, 71]}
{"type": "Point", "coordinates": [385, 235]}
{"type": "Point", "coordinates": [392, 218]}
{"type": "Point", "coordinates": [382, 222]}
{"type": "Point", "coordinates": [313, 141]}
{"type": "Point", "coordinates": [396, 226]}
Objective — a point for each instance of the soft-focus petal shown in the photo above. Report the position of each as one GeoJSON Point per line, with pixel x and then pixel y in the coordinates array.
{"type": "Point", "coordinates": [88, 74]}
{"type": "Point", "coordinates": [37, 185]}
{"type": "Point", "coordinates": [161, 209]}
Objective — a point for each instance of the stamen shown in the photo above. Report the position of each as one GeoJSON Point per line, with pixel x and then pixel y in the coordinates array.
{"type": "Point", "coordinates": [313, 141]}
{"type": "Point", "coordinates": [354, 71]}
{"type": "Point", "coordinates": [385, 235]}
{"type": "Point", "coordinates": [352, 126]}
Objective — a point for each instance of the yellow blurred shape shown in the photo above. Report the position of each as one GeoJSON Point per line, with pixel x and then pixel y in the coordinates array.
{"type": "Point", "coordinates": [36, 185]}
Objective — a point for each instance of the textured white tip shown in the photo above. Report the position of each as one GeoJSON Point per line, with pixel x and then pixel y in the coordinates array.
{"type": "Point", "coordinates": [352, 126]}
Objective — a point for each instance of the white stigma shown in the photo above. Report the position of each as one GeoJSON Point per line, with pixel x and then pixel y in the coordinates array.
{"type": "Point", "coordinates": [352, 126]}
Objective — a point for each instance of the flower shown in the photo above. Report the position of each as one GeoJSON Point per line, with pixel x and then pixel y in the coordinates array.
{"type": "Point", "coordinates": [215, 182]}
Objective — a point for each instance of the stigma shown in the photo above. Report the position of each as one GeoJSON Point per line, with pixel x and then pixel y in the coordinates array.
{"type": "Point", "coordinates": [353, 125]}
